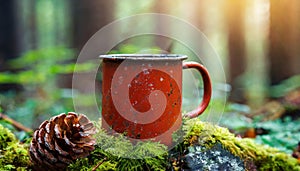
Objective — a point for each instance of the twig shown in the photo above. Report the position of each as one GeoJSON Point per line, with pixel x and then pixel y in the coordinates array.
{"type": "Point", "coordinates": [16, 124]}
{"type": "Point", "coordinates": [94, 169]}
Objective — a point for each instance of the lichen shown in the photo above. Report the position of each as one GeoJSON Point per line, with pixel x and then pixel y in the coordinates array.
{"type": "Point", "coordinates": [13, 155]}
{"type": "Point", "coordinates": [216, 158]}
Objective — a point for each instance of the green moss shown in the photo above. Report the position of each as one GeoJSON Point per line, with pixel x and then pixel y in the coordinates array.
{"type": "Point", "coordinates": [264, 157]}
{"type": "Point", "coordinates": [6, 137]}
{"type": "Point", "coordinates": [13, 156]}
{"type": "Point", "coordinates": [118, 153]}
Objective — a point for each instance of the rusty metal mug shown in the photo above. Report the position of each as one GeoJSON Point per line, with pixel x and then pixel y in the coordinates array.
{"type": "Point", "coordinates": [142, 94]}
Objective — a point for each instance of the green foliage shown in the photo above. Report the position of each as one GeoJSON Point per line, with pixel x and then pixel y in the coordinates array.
{"type": "Point", "coordinates": [38, 66]}
{"type": "Point", "coordinates": [43, 56]}
{"type": "Point", "coordinates": [285, 86]}
{"type": "Point", "coordinates": [13, 156]}
{"type": "Point", "coordinates": [24, 112]}
{"type": "Point", "coordinates": [283, 134]}
{"type": "Point", "coordinates": [264, 157]}
{"type": "Point", "coordinates": [38, 72]}
{"type": "Point", "coordinates": [43, 65]}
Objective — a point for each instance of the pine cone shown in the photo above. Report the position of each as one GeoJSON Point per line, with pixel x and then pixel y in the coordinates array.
{"type": "Point", "coordinates": [61, 140]}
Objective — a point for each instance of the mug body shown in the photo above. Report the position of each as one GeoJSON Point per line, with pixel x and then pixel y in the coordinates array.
{"type": "Point", "coordinates": [141, 95]}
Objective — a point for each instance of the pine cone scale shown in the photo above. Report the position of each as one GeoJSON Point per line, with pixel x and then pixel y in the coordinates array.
{"type": "Point", "coordinates": [33, 153]}
{"type": "Point", "coordinates": [50, 156]}
{"type": "Point", "coordinates": [83, 120]}
{"type": "Point", "coordinates": [69, 142]}
{"type": "Point", "coordinates": [59, 118]}
{"type": "Point", "coordinates": [60, 150]}
{"type": "Point", "coordinates": [86, 148]}
{"type": "Point", "coordinates": [41, 135]}
{"type": "Point", "coordinates": [48, 142]}
{"type": "Point", "coordinates": [85, 140]}
{"type": "Point", "coordinates": [78, 150]}
{"type": "Point", "coordinates": [43, 124]}
{"type": "Point", "coordinates": [49, 127]}
{"type": "Point", "coordinates": [70, 119]}
{"type": "Point", "coordinates": [58, 132]}
{"type": "Point", "coordinates": [87, 126]}
{"type": "Point", "coordinates": [40, 150]}
{"type": "Point", "coordinates": [64, 160]}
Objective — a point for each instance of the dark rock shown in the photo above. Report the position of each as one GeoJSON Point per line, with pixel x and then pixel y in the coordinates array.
{"type": "Point", "coordinates": [199, 158]}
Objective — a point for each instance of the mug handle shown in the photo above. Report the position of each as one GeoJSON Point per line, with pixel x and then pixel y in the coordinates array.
{"type": "Point", "coordinates": [207, 88]}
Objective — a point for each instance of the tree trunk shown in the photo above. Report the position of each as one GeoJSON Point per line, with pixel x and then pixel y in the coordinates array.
{"type": "Point", "coordinates": [164, 43]}
{"type": "Point", "coordinates": [10, 41]}
{"type": "Point", "coordinates": [8, 36]}
{"type": "Point", "coordinates": [234, 11]}
{"type": "Point", "coordinates": [284, 51]}
{"type": "Point", "coordinates": [88, 17]}
{"type": "Point", "coordinates": [31, 26]}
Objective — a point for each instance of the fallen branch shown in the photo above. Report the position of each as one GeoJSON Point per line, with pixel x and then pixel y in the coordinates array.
{"type": "Point", "coordinates": [16, 124]}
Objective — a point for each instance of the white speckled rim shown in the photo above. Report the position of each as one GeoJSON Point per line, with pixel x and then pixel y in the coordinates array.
{"type": "Point", "coordinates": [145, 56]}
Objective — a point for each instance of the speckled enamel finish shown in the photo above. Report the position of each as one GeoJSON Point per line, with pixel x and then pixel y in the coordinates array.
{"type": "Point", "coordinates": [154, 94]}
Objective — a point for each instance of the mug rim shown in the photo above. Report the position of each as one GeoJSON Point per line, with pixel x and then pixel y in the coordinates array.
{"type": "Point", "coordinates": [144, 56]}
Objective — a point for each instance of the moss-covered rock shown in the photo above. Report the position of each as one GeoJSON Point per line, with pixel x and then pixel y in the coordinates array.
{"type": "Point", "coordinates": [263, 157]}
{"type": "Point", "coordinates": [13, 156]}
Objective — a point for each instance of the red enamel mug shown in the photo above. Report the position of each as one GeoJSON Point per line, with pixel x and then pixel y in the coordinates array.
{"type": "Point", "coordinates": [142, 94]}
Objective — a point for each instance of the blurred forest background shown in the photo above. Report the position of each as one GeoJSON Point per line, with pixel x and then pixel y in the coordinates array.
{"type": "Point", "coordinates": [258, 42]}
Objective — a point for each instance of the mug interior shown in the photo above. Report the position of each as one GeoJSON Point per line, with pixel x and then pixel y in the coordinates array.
{"type": "Point", "coordinates": [144, 56]}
